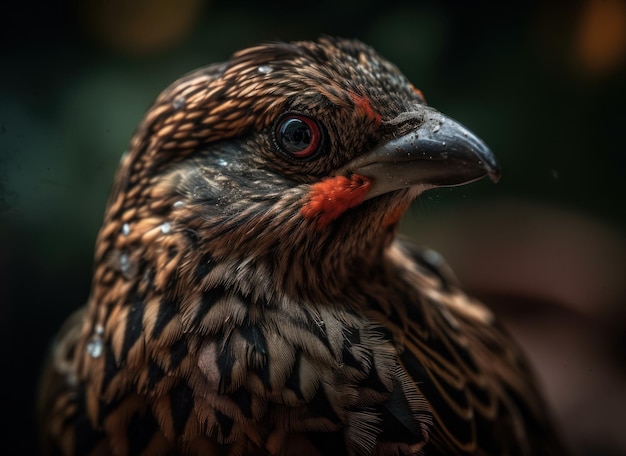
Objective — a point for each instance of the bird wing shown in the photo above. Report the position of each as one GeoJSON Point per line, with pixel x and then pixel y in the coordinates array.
{"type": "Point", "coordinates": [483, 394]}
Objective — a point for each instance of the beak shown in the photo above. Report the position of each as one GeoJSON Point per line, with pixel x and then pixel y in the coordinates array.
{"type": "Point", "coordinates": [439, 152]}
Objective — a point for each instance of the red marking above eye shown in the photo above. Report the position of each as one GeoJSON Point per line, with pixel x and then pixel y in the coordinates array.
{"type": "Point", "coordinates": [364, 106]}
{"type": "Point", "coordinates": [333, 196]}
{"type": "Point", "coordinates": [418, 92]}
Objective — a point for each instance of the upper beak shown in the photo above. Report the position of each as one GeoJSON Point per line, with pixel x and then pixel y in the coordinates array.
{"type": "Point", "coordinates": [439, 152]}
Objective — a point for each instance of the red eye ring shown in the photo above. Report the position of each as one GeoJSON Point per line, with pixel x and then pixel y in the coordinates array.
{"type": "Point", "coordinates": [298, 135]}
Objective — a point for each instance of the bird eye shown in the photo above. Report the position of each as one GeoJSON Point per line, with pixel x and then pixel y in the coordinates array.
{"type": "Point", "coordinates": [297, 135]}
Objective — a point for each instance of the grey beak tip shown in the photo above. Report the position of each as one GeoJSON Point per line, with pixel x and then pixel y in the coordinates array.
{"type": "Point", "coordinates": [495, 173]}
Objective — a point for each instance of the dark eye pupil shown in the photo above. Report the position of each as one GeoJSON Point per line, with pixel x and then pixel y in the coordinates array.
{"type": "Point", "coordinates": [296, 135]}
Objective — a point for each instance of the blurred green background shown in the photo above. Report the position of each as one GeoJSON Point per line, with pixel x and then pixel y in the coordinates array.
{"type": "Point", "coordinates": [543, 83]}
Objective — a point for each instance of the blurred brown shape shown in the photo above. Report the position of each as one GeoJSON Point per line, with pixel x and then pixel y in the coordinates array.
{"type": "Point", "coordinates": [601, 40]}
{"type": "Point", "coordinates": [557, 281]}
{"type": "Point", "coordinates": [140, 26]}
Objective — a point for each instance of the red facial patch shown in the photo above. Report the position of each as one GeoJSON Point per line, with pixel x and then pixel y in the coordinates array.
{"type": "Point", "coordinates": [364, 106]}
{"type": "Point", "coordinates": [333, 196]}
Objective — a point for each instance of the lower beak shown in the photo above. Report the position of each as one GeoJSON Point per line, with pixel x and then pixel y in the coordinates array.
{"type": "Point", "coordinates": [439, 152]}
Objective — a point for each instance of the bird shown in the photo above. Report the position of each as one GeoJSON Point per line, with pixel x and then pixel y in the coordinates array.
{"type": "Point", "coordinates": [251, 292]}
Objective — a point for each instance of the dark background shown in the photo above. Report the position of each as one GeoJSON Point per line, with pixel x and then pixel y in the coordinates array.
{"type": "Point", "coordinates": [543, 83]}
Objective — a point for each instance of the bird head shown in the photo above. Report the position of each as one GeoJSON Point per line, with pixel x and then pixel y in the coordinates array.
{"type": "Point", "coordinates": [304, 151]}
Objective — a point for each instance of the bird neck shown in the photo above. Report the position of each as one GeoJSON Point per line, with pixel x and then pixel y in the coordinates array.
{"type": "Point", "coordinates": [277, 244]}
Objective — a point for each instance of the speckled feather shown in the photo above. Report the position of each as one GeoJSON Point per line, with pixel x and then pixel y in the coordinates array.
{"type": "Point", "coordinates": [247, 303]}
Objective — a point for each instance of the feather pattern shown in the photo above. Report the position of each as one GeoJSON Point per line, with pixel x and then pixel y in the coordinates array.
{"type": "Point", "coordinates": [225, 318]}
